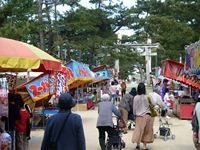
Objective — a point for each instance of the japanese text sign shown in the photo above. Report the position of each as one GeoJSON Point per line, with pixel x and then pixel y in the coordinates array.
{"type": "Point", "coordinates": [78, 71]}
{"type": "Point", "coordinates": [39, 88]}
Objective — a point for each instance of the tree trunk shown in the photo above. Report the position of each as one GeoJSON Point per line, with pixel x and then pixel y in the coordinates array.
{"type": "Point", "coordinates": [42, 46]}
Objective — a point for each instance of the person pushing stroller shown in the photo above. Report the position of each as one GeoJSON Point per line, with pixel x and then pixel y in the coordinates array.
{"type": "Point", "coordinates": [105, 121]}
{"type": "Point", "coordinates": [126, 106]}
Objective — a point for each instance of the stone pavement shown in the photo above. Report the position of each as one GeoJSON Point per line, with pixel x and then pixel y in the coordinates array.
{"type": "Point", "coordinates": [180, 128]}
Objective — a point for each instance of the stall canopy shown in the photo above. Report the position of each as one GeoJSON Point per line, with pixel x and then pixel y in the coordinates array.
{"type": "Point", "coordinates": [102, 76]}
{"type": "Point", "coordinates": [16, 56]}
{"type": "Point", "coordinates": [175, 71]}
{"type": "Point", "coordinates": [77, 74]}
{"type": "Point", "coordinates": [37, 88]}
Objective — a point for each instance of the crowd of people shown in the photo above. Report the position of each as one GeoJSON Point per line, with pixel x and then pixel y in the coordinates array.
{"type": "Point", "coordinates": [18, 122]}
{"type": "Point", "coordinates": [134, 102]}
{"type": "Point", "coordinates": [68, 125]}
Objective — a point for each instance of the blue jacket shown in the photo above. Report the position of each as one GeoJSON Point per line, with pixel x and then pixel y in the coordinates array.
{"type": "Point", "coordinates": [72, 135]}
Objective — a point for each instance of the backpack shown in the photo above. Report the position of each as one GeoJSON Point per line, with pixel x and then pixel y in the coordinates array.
{"type": "Point", "coordinates": [195, 123]}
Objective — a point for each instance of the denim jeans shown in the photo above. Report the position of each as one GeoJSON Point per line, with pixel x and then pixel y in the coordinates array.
{"type": "Point", "coordinates": [12, 134]}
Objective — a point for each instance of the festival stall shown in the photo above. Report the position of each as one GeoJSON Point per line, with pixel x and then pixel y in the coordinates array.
{"type": "Point", "coordinates": [16, 56]}
{"type": "Point", "coordinates": [183, 104]}
{"type": "Point", "coordinates": [78, 75]}
{"type": "Point", "coordinates": [101, 79]}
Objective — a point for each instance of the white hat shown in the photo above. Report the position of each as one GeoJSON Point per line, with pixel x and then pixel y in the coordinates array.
{"type": "Point", "coordinates": [105, 97]}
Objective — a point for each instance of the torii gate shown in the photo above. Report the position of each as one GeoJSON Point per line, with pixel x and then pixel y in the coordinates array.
{"type": "Point", "coordinates": [147, 53]}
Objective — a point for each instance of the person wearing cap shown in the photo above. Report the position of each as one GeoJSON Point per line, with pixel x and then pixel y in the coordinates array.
{"type": "Point", "coordinates": [126, 104]}
{"type": "Point", "coordinates": [105, 121]}
{"type": "Point", "coordinates": [72, 136]}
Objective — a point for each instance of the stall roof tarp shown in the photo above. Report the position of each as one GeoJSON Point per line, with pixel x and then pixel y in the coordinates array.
{"type": "Point", "coordinates": [77, 74]}
{"type": "Point", "coordinates": [102, 76]}
{"type": "Point", "coordinates": [175, 71]}
{"type": "Point", "coordinates": [19, 56]}
{"type": "Point", "coordinates": [99, 68]}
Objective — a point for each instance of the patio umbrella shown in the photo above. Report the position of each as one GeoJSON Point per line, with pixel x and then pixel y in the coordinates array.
{"type": "Point", "coordinates": [18, 56]}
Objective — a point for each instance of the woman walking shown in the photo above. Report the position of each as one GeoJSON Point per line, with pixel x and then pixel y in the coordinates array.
{"type": "Point", "coordinates": [105, 122]}
{"type": "Point", "coordinates": [144, 122]}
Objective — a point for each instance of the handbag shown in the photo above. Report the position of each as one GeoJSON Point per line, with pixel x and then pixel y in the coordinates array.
{"type": "Point", "coordinates": [151, 107]}
{"type": "Point", "coordinates": [53, 143]}
{"type": "Point", "coordinates": [121, 123]}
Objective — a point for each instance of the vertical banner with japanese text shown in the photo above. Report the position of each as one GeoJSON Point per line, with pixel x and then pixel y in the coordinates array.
{"type": "Point", "coordinates": [61, 84]}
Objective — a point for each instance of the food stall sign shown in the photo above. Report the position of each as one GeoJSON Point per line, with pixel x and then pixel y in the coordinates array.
{"type": "Point", "coordinates": [78, 72]}
{"type": "Point", "coordinates": [102, 75]}
{"type": "Point", "coordinates": [39, 88]}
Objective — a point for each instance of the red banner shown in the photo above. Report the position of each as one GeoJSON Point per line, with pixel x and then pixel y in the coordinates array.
{"type": "Point", "coordinates": [175, 71]}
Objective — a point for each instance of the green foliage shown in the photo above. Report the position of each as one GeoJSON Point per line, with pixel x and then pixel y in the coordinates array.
{"type": "Point", "coordinates": [172, 23]}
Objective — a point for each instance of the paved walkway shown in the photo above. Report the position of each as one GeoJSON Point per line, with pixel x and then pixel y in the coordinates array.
{"type": "Point", "coordinates": [180, 128]}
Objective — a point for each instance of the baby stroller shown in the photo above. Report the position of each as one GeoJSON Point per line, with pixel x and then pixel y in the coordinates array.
{"type": "Point", "coordinates": [118, 142]}
{"type": "Point", "coordinates": [164, 129]}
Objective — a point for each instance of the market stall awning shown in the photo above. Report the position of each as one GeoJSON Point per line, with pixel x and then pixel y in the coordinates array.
{"type": "Point", "coordinates": [175, 71]}
{"type": "Point", "coordinates": [102, 76]}
{"type": "Point", "coordinates": [18, 56]}
{"type": "Point", "coordinates": [77, 74]}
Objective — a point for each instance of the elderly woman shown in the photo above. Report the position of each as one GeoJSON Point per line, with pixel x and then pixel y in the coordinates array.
{"type": "Point", "coordinates": [65, 129]}
{"type": "Point", "coordinates": [105, 122]}
{"type": "Point", "coordinates": [144, 122]}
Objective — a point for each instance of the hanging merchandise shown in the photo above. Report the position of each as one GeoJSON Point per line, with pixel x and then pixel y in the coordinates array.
{"type": "Point", "coordinates": [3, 97]}
{"type": "Point", "coordinates": [192, 59]}
{"type": "Point", "coordinates": [12, 81]}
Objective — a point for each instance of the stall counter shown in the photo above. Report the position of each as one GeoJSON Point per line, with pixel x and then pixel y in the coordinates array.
{"type": "Point", "coordinates": [183, 108]}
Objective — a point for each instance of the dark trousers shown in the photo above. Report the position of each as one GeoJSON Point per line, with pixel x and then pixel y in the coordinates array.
{"type": "Point", "coordinates": [123, 92]}
{"type": "Point", "coordinates": [102, 137]}
{"type": "Point", "coordinates": [12, 134]}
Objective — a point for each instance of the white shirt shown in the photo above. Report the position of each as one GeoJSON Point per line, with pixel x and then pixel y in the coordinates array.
{"type": "Point", "coordinates": [197, 111]}
{"type": "Point", "coordinates": [157, 99]}
{"type": "Point", "coordinates": [166, 99]}
{"type": "Point", "coordinates": [113, 89]}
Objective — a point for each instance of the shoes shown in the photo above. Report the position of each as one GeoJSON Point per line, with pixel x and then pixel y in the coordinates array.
{"type": "Point", "coordinates": [137, 147]}
{"type": "Point", "coordinates": [168, 117]}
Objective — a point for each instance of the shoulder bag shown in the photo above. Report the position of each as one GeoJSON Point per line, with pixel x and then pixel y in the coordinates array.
{"type": "Point", "coordinates": [53, 143]}
{"type": "Point", "coordinates": [151, 107]}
